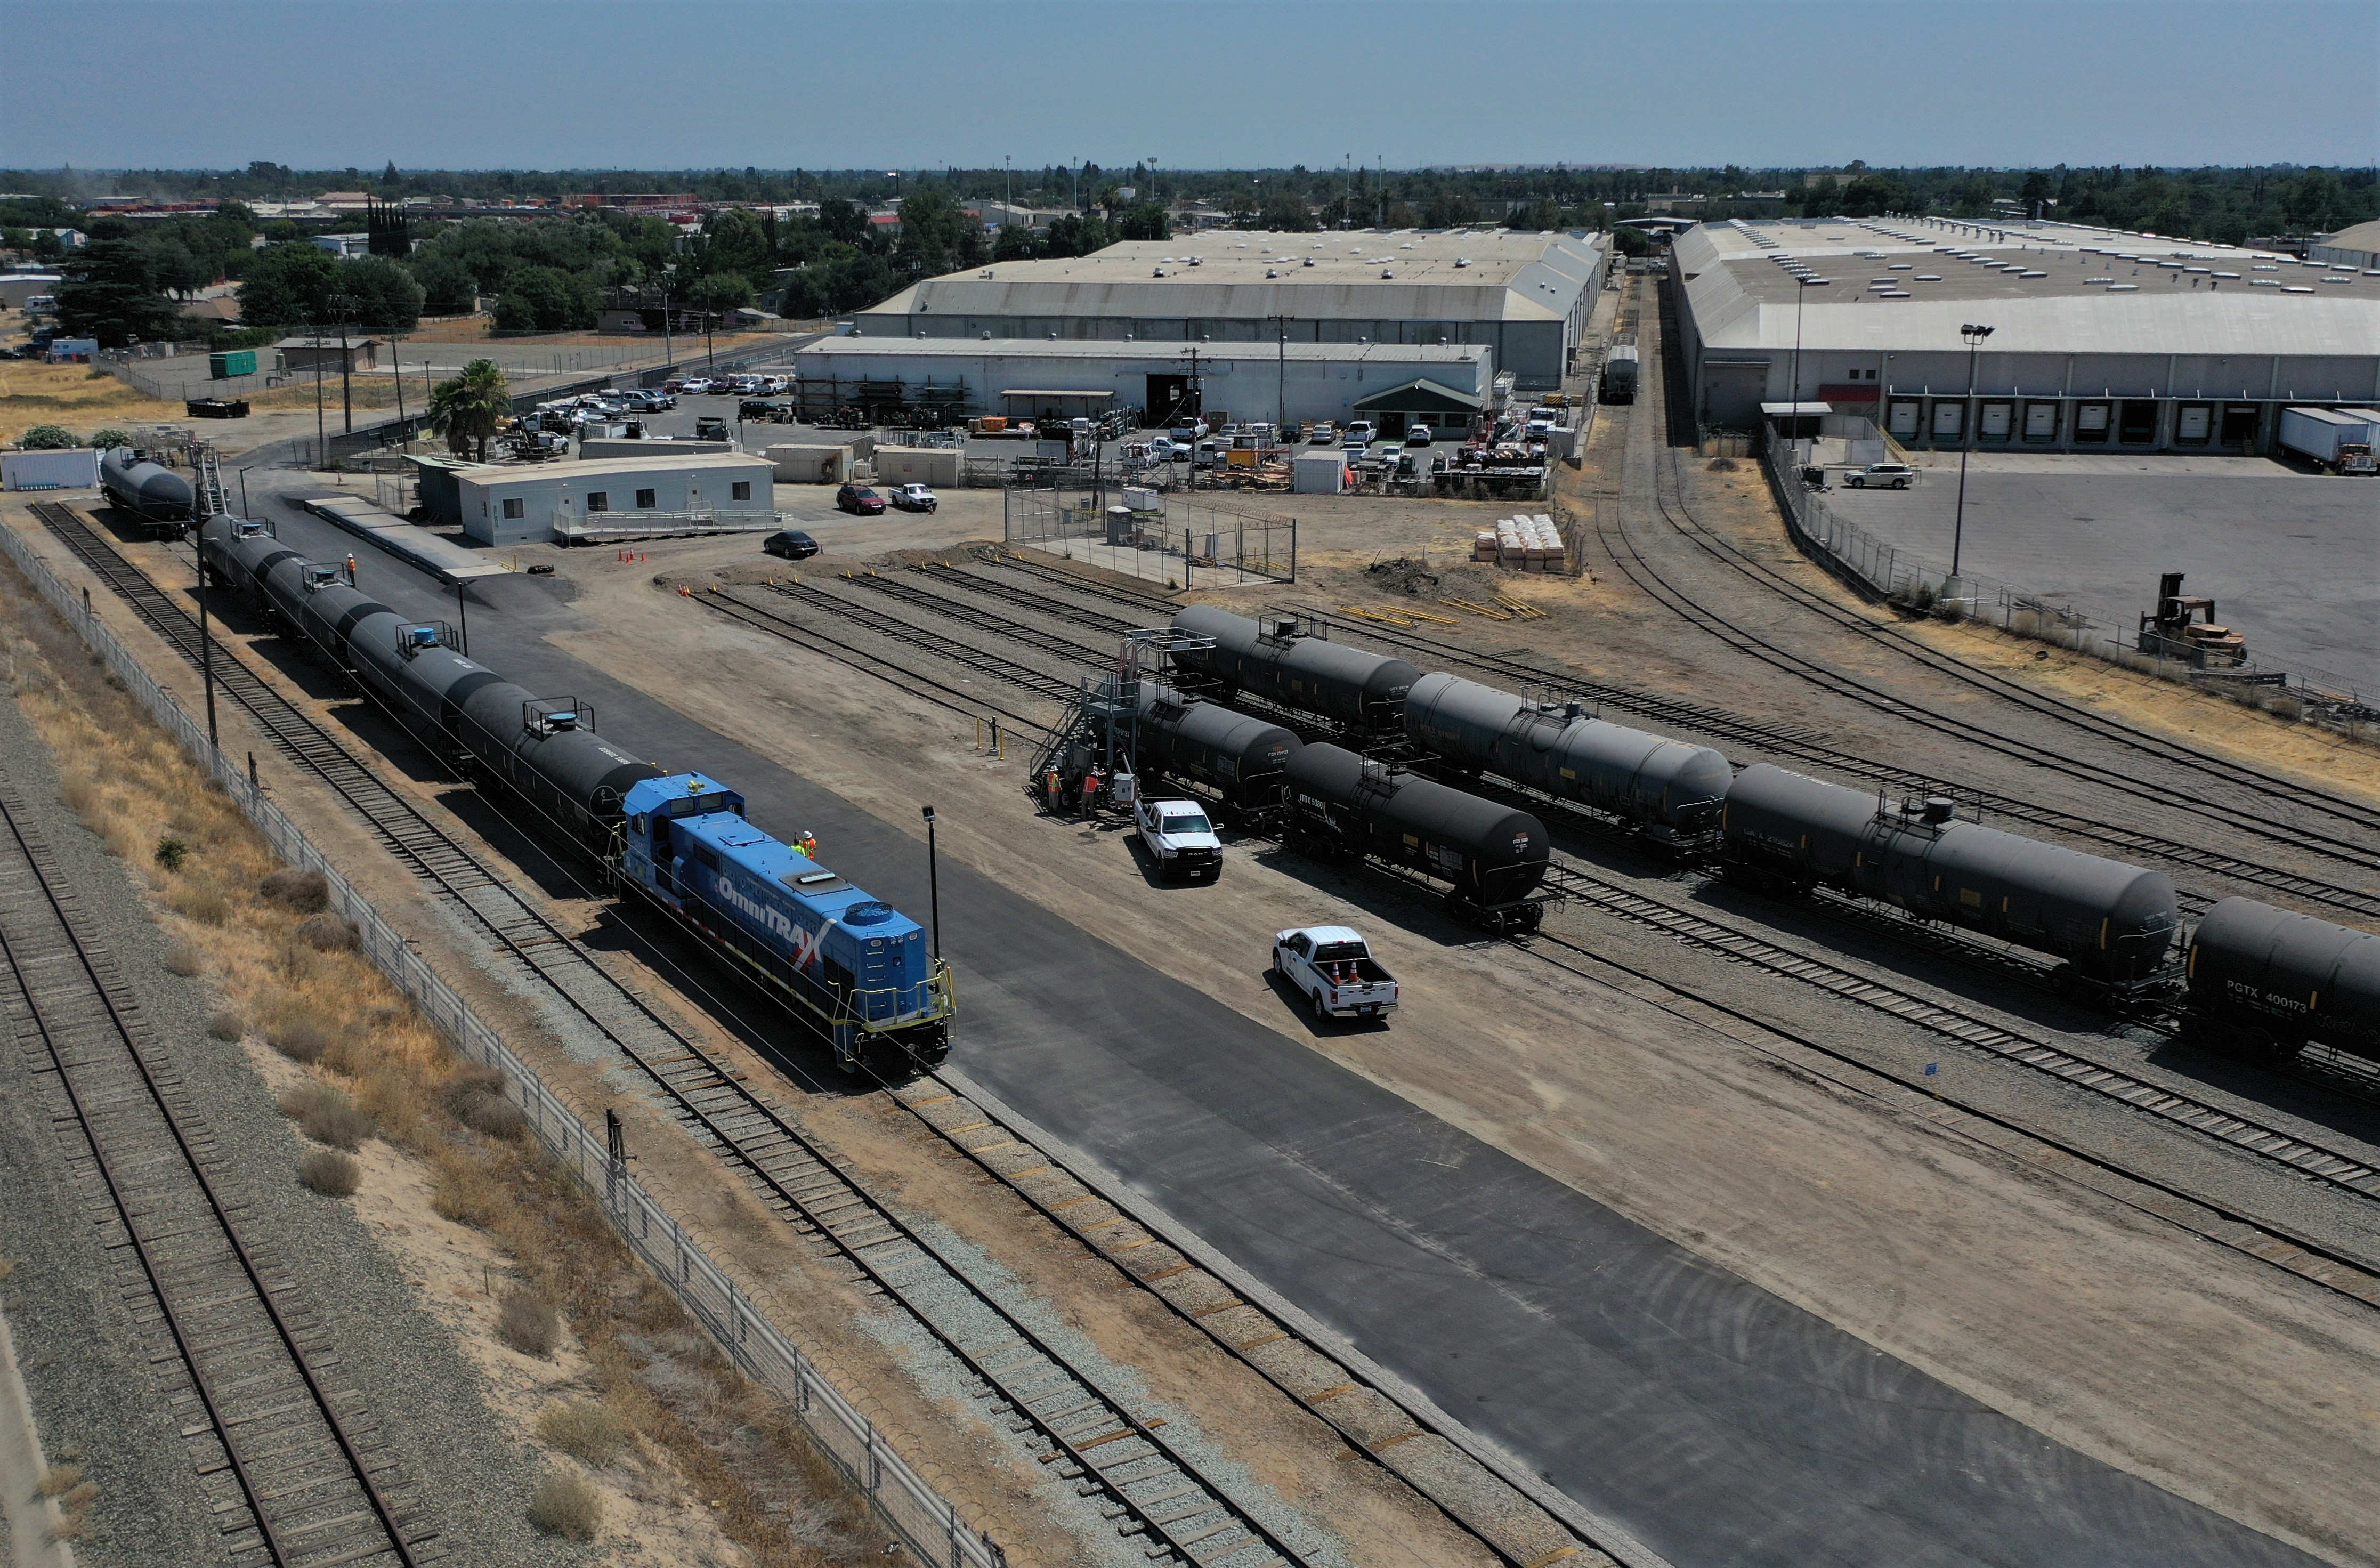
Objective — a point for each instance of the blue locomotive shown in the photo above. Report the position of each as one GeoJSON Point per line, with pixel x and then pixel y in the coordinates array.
{"type": "Point", "coordinates": [858, 967]}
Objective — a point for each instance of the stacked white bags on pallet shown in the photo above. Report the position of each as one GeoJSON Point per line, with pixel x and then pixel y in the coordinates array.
{"type": "Point", "coordinates": [1528, 544]}
{"type": "Point", "coordinates": [1485, 545]}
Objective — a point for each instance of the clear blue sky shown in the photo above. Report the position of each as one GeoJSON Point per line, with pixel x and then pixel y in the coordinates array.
{"type": "Point", "coordinates": [1211, 83]}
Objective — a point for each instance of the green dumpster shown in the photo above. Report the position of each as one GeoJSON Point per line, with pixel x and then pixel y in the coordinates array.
{"type": "Point", "coordinates": [232, 362]}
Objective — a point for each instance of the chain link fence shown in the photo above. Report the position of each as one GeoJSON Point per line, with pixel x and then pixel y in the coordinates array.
{"type": "Point", "coordinates": [925, 1523]}
{"type": "Point", "coordinates": [1170, 533]}
{"type": "Point", "coordinates": [1899, 576]}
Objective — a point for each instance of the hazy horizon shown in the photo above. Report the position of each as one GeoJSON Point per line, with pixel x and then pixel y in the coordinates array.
{"type": "Point", "coordinates": [601, 85]}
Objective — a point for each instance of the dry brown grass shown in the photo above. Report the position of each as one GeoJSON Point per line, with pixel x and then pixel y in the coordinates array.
{"type": "Point", "coordinates": [328, 1172]}
{"type": "Point", "coordinates": [584, 1428]}
{"type": "Point", "coordinates": [568, 1507]}
{"type": "Point", "coordinates": [58, 1480]}
{"type": "Point", "coordinates": [527, 1323]}
{"type": "Point", "coordinates": [69, 395]}
{"type": "Point", "coordinates": [334, 1011]}
{"type": "Point", "coordinates": [328, 1116]}
{"type": "Point", "coordinates": [186, 958]}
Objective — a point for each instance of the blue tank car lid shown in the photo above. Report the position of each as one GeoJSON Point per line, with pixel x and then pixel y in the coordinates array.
{"type": "Point", "coordinates": [681, 795]}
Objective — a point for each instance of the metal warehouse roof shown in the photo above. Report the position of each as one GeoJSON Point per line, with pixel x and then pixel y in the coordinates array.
{"type": "Point", "coordinates": [599, 467]}
{"type": "Point", "coordinates": [1893, 286]}
{"type": "Point", "coordinates": [1358, 275]}
{"type": "Point", "coordinates": [2361, 236]}
{"type": "Point", "coordinates": [1168, 351]}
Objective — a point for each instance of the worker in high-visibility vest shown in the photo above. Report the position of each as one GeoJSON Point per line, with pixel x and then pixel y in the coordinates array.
{"type": "Point", "coordinates": [1050, 787]}
{"type": "Point", "coordinates": [1091, 791]}
{"type": "Point", "coordinates": [807, 843]}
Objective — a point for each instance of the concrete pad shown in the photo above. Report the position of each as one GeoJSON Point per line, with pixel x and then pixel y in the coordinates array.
{"type": "Point", "coordinates": [2292, 561]}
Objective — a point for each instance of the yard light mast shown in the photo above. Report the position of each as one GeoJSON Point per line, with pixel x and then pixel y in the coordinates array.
{"type": "Point", "coordinates": [344, 304]}
{"type": "Point", "coordinates": [933, 885]}
{"type": "Point", "coordinates": [1974, 336]}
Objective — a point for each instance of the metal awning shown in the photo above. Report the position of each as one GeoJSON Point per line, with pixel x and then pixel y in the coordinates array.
{"type": "Point", "coordinates": [1030, 392]}
{"type": "Point", "coordinates": [1420, 396]}
{"type": "Point", "coordinates": [1797, 410]}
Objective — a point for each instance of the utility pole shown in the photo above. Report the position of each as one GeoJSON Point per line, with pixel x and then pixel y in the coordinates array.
{"type": "Point", "coordinates": [1280, 375]}
{"type": "Point", "coordinates": [396, 357]}
{"type": "Point", "coordinates": [322, 437]}
{"type": "Point", "coordinates": [342, 304]}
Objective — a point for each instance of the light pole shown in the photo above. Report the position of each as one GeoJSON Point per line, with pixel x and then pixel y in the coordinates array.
{"type": "Point", "coordinates": [1794, 398]}
{"type": "Point", "coordinates": [933, 886]}
{"type": "Point", "coordinates": [322, 437]}
{"type": "Point", "coordinates": [1974, 336]}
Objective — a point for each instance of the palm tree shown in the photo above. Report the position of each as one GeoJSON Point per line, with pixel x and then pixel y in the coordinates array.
{"type": "Point", "coordinates": [466, 408]}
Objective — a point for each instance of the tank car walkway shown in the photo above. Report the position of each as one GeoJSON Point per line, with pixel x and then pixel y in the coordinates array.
{"type": "Point", "coordinates": [1715, 1421]}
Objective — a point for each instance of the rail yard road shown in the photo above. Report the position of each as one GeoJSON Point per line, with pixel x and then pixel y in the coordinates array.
{"type": "Point", "coordinates": [294, 1465]}
{"type": "Point", "coordinates": [1154, 1492]}
{"type": "Point", "coordinates": [1301, 1172]}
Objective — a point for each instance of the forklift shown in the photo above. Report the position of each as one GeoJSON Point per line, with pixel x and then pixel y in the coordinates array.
{"type": "Point", "coordinates": [2184, 628]}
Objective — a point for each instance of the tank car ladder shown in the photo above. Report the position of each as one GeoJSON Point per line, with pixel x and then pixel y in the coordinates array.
{"type": "Point", "coordinates": [211, 501]}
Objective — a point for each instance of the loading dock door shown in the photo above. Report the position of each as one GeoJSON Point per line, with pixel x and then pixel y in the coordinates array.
{"type": "Point", "coordinates": [2137, 425]}
{"type": "Point", "coordinates": [1901, 422]}
{"type": "Point", "coordinates": [2091, 421]}
{"type": "Point", "coordinates": [2193, 423]}
{"type": "Point", "coordinates": [2239, 421]}
{"type": "Point", "coordinates": [1949, 418]}
{"type": "Point", "coordinates": [2041, 422]}
{"type": "Point", "coordinates": [1170, 397]}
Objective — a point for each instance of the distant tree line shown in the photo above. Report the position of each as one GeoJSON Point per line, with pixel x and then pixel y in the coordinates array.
{"type": "Point", "coordinates": [550, 273]}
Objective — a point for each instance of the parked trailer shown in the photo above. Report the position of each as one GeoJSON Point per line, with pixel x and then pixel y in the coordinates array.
{"type": "Point", "coordinates": [2320, 434]}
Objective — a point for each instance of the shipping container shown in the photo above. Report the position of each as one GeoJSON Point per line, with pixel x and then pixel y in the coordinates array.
{"type": "Point", "coordinates": [224, 365]}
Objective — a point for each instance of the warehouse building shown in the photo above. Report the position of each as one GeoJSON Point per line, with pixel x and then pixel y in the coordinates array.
{"type": "Point", "coordinates": [1524, 297]}
{"type": "Point", "coordinates": [2100, 338]}
{"type": "Point", "coordinates": [2358, 248]}
{"type": "Point", "coordinates": [1390, 383]}
{"type": "Point", "coordinates": [534, 503]}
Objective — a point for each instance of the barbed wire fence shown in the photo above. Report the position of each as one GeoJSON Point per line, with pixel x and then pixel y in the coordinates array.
{"type": "Point", "coordinates": [924, 1522]}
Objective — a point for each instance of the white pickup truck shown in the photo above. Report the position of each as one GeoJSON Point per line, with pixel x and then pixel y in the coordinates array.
{"type": "Point", "coordinates": [1179, 838]}
{"type": "Point", "coordinates": [1335, 971]}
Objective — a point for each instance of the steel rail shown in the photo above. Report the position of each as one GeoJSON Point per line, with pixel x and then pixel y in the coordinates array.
{"type": "Point", "coordinates": [97, 987]}
{"type": "Point", "coordinates": [727, 1114]}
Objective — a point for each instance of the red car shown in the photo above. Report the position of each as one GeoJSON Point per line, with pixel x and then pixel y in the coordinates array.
{"type": "Point", "coordinates": [859, 500]}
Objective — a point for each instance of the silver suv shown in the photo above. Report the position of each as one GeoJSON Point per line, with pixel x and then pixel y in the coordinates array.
{"type": "Point", "coordinates": [1881, 476]}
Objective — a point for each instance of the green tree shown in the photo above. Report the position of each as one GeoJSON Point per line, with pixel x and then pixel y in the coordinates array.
{"type": "Point", "coordinates": [388, 298]}
{"type": "Point", "coordinates": [1016, 243]}
{"type": "Point", "coordinates": [930, 222]}
{"type": "Point", "coordinates": [1871, 195]}
{"type": "Point", "coordinates": [447, 286]}
{"type": "Point", "coordinates": [1145, 220]}
{"type": "Point", "coordinates": [720, 292]}
{"type": "Point", "coordinates": [1285, 214]}
{"type": "Point", "coordinates": [464, 409]}
{"type": "Point", "coordinates": [111, 437]}
{"type": "Point", "coordinates": [47, 438]}
{"type": "Point", "coordinates": [2035, 191]}
{"type": "Point", "coordinates": [555, 300]}
{"type": "Point", "coordinates": [110, 294]}
{"type": "Point", "coordinates": [1449, 209]}
{"type": "Point", "coordinates": [733, 241]}
{"type": "Point", "coordinates": [288, 285]}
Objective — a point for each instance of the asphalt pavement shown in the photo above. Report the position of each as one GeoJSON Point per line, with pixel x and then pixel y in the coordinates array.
{"type": "Point", "coordinates": [1717, 1422]}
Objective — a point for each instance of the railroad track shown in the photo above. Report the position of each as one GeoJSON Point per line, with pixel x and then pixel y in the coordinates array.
{"type": "Point", "coordinates": [1611, 527]}
{"type": "Point", "coordinates": [982, 661]}
{"type": "Point", "coordinates": [1069, 645]}
{"type": "Point", "coordinates": [1154, 1493]}
{"type": "Point", "coordinates": [1790, 742]}
{"type": "Point", "coordinates": [291, 1461]}
{"type": "Point", "coordinates": [2308, 1159]}
{"type": "Point", "coordinates": [2167, 754]}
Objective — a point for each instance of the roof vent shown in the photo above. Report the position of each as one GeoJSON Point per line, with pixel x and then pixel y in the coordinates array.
{"type": "Point", "coordinates": [986, 337]}
{"type": "Point", "coordinates": [1388, 272]}
{"type": "Point", "coordinates": [1938, 808]}
{"type": "Point", "coordinates": [1309, 261]}
{"type": "Point", "coordinates": [1272, 271]}
{"type": "Point", "coordinates": [1462, 260]}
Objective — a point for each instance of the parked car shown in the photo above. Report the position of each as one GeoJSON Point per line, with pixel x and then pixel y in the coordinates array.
{"type": "Point", "coordinates": [1418, 435]}
{"type": "Point", "coordinates": [1361, 432]}
{"type": "Point", "coordinates": [1189, 433]}
{"type": "Point", "coordinates": [757, 410]}
{"type": "Point", "coordinates": [793, 544]}
{"type": "Point", "coordinates": [695, 386]}
{"type": "Point", "coordinates": [1386, 454]}
{"type": "Point", "coordinates": [1179, 838]}
{"type": "Point", "coordinates": [858, 500]}
{"type": "Point", "coordinates": [913, 498]}
{"type": "Point", "coordinates": [1324, 434]}
{"type": "Point", "coordinates": [1333, 968]}
{"type": "Point", "coordinates": [1881, 476]}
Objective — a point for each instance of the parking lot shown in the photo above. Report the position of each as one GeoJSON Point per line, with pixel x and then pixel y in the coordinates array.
{"type": "Point", "coordinates": [2292, 561]}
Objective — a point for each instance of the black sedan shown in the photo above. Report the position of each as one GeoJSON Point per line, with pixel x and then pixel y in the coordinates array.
{"type": "Point", "coordinates": [793, 544]}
